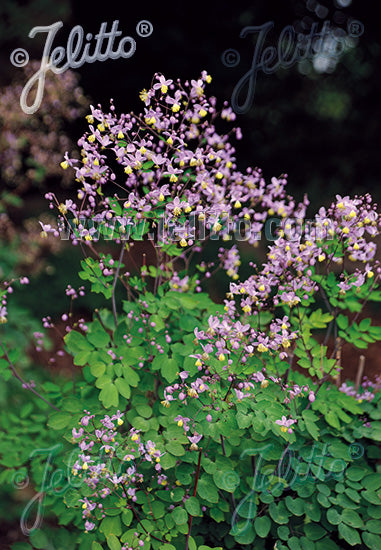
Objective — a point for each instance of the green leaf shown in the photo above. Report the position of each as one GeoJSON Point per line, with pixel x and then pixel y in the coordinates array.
{"type": "Point", "coordinates": [243, 420]}
{"type": "Point", "coordinates": [187, 323]}
{"type": "Point", "coordinates": [345, 502]}
{"type": "Point", "coordinates": [227, 480]}
{"type": "Point", "coordinates": [76, 342]}
{"type": "Point", "coordinates": [39, 540]}
{"type": "Point", "coordinates": [130, 375]}
{"type": "Point", "coordinates": [97, 336]}
{"type": "Point", "coordinates": [144, 410]}
{"type": "Point", "coordinates": [109, 395]}
{"type": "Point", "coordinates": [372, 541]}
{"type": "Point", "coordinates": [72, 405]}
{"type": "Point", "coordinates": [314, 531]}
{"type": "Point", "coordinates": [333, 516]}
{"type": "Point", "coordinates": [207, 490]}
{"type": "Point", "coordinates": [127, 516]}
{"type": "Point", "coordinates": [278, 512]}
{"type": "Point", "coordinates": [371, 496]}
{"type": "Point", "coordinates": [310, 420]}
{"type": "Point", "coordinates": [353, 495]}
{"type": "Point", "coordinates": [247, 507]}
{"type": "Point", "coordinates": [306, 490]}
{"type": "Point", "coordinates": [283, 532]}
{"type": "Point", "coordinates": [97, 368]}
{"type": "Point", "coordinates": [323, 489]}
{"type": "Point", "coordinates": [159, 323]}
{"type": "Point", "coordinates": [217, 515]}
{"type": "Point", "coordinates": [374, 526]}
{"type": "Point", "coordinates": [167, 462]}
{"type": "Point", "coordinates": [81, 358]}
{"type": "Point", "coordinates": [175, 448]}
{"type": "Point", "coordinates": [349, 534]}
{"type": "Point", "coordinates": [58, 421]}
{"type": "Point", "coordinates": [294, 544]}
{"type": "Point", "coordinates": [96, 546]}
{"type": "Point", "coordinates": [365, 324]}
{"type": "Point", "coordinates": [356, 473]}
{"type": "Point", "coordinates": [339, 450]}
{"type": "Point", "coordinates": [312, 510]}
{"type": "Point", "coordinates": [375, 332]}
{"type": "Point", "coordinates": [71, 498]}
{"type": "Point", "coordinates": [307, 544]}
{"type": "Point", "coordinates": [192, 506]}
{"type": "Point", "coordinates": [332, 419]}
{"type": "Point", "coordinates": [244, 534]}
{"type": "Point", "coordinates": [342, 321]}
{"type": "Point", "coordinates": [326, 544]}
{"type": "Point", "coordinates": [123, 387]}
{"type": "Point", "coordinates": [180, 515]}
{"type": "Point", "coordinates": [351, 518]}
{"type": "Point", "coordinates": [372, 482]}
{"type": "Point", "coordinates": [111, 525]}
{"type": "Point", "coordinates": [147, 165]}
{"type": "Point", "coordinates": [113, 543]}
{"type": "Point", "coordinates": [262, 526]}
{"type": "Point", "coordinates": [296, 505]}
{"type": "Point", "coordinates": [169, 370]}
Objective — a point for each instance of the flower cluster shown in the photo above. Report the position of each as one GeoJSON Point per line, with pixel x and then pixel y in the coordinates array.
{"type": "Point", "coordinates": [366, 392]}
{"type": "Point", "coordinates": [179, 284]}
{"type": "Point", "coordinates": [3, 308]}
{"type": "Point", "coordinates": [4, 294]}
{"type": "Point", "coordinates": [230, 261]}
{"type": "Point", "coordinates": [303, 253]}
{"type": "Point", "coordinates": [109, 463]}
{"type": "Point", "coordinates": [171, 163]}
{"type": "Point", "coordinates": [226, 335]}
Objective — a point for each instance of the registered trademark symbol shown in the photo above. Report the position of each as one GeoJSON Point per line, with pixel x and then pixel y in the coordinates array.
{"type": "Point", "coordinates": [355, 28]}
{"type": "Point", "coordinates": [355, 451]}
{"type": "Point", "coordinates": [144, 28]}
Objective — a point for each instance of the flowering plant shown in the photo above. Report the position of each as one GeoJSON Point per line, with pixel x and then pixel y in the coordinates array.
{"type": "Point", "coordinates": [212, 425]}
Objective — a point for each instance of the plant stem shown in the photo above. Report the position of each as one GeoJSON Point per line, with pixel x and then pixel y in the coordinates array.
{"type": "Point", "coordinates": [16, 375]}
{"type": "Point", "coordinates": [114, 285]}
{"type": "Point", "coordinates": [194, 494]}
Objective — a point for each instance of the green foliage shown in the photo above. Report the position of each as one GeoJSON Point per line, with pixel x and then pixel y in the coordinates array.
{"type": "Point", "coordinates": [317, 487]}
{"type": "Point", "coordinates": [249, 453]}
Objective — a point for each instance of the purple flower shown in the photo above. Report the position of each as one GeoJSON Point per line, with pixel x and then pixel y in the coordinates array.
{"type": "Point", "coordinates": [195, 438]}
{"type": "Point", "coordinates": [285, 424]}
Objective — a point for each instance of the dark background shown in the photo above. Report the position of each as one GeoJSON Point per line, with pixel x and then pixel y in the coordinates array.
{"type": "Point", "coordinates": [322, 129]}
